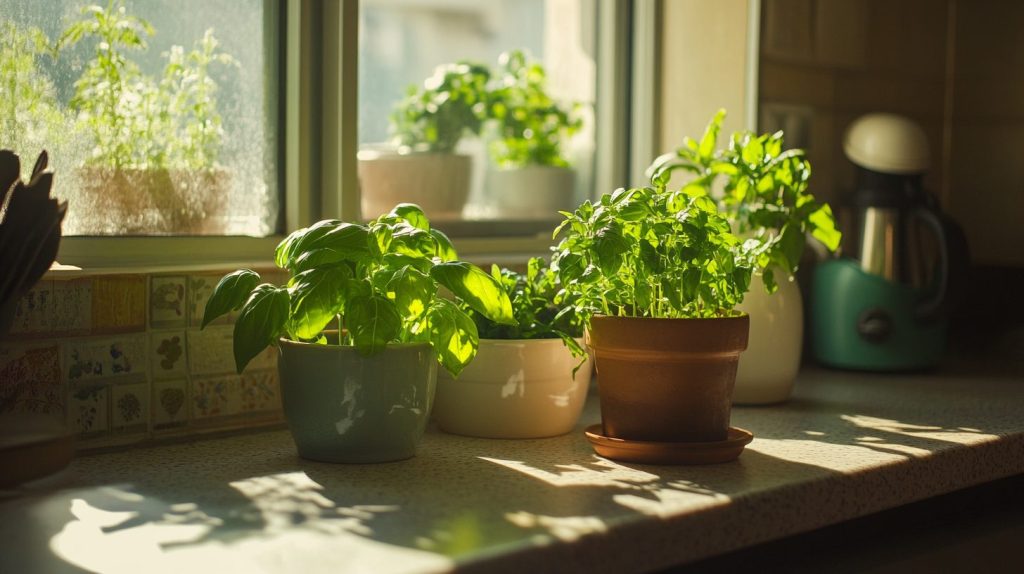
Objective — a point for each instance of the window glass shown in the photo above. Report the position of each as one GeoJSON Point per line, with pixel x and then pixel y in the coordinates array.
{"type": "Point", "coordinates": [490, 139]}
{"type": "Point", "coordinates": [160, 116]}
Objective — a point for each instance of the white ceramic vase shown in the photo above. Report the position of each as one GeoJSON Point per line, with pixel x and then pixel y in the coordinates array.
{"type": "Point", "coordinates": [437, 182]}
{"type": "Point", "coordinates": [531, 191]}
{"type": "Point", "coordinates": [769, 366]}
{"type": "Point", "coordinates": [514, 389]}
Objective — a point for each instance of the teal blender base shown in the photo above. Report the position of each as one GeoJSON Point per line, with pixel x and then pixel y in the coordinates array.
{"type": "Point", "coordinates": [862, 321]}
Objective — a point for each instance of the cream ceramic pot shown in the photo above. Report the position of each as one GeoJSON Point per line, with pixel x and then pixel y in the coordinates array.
{"type": "Point", "coordinates": [768, 367]}
{"type": "Point", "coordinates": [532, 191]}
{"type": "Point", "coordinates": [514, 389]}
{"type": "Point", "coordinates": [437, 182]}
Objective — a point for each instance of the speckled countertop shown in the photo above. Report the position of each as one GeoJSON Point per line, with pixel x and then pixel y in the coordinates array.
{"type": "Point", "coordinates": [845, 446]}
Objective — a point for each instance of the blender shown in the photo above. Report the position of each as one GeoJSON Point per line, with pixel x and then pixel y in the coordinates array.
{"type": "Point", "coordinates": [885, 306]}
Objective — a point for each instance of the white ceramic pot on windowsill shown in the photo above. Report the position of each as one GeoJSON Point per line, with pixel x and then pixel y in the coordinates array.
{"type": "Point", "coordinates": [514, 389]}
{"type": "Point", "coordinates": [437, 182]}
{"type": "Point", "coordinates": [769, 366]}
{"type": "Point", "coordinates": [531, 191]}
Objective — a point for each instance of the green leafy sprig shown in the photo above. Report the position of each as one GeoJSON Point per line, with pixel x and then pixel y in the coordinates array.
{"type": "Point", "coordinates": [531, 126]}
{"type": "Point", "coordinates": [765, 191]}
{"type": "Point", "coordinates": [379, 283]}
{"type": "Point", "coordinates": [137, 121]}
{"type": "Point", "coordinates": [449, 105]}
{"type": "Point", "coordinates": [654, 252]}
{"type": "Point", "coordinates": [542, 309]}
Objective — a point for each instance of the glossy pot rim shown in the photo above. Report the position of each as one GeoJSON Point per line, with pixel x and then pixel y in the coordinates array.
{"type": "Point", "coordinates": [285, 342]}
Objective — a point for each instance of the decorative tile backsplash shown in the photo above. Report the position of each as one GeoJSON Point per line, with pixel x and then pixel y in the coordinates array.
{"type": "Point", "coordinates": [120, 359]}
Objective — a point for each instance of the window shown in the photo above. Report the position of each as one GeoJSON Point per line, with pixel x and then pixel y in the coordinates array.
{"type": "Point", "coordinates": [516, 142]}
{"type": "Point", "coordinates": [160, 116]}
{"type": "Point", "coordinates": [286, 96]}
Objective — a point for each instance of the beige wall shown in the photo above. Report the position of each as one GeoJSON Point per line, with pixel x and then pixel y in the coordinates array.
{"type": "Point", "coordinates": [954, 66]}
{"type": "Point", "coordinates": [703, 67]}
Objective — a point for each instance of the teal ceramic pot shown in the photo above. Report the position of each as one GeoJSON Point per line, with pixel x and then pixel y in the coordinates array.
{"type": "Point", "coordinates": [344, 407]}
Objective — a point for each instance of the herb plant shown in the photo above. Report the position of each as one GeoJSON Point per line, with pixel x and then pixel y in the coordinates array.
{"type": "Point", "coordinates": [531, 126]}
{"type": "Point", "coordinates": [764, 193]}
{"type": "Point", "coordinates": [542, 309]}
{"type": "Point", "coordinates": [653, 252]}
{"type": "Point", "coordinates": [30, 117]}
{"type": "Point", "coordinates": [137, 121]}
{"type": "Point", "coordinates": [451, 104]}
{"type": "Point", "coordinates": [378, 282]}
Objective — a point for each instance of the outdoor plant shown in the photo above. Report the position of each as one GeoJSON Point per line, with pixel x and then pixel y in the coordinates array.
{"type": "Point", "coordinates": [449, 105]}
{"type": "Point", "coordinates": [531, 126]}
{"type": "Point", "coordinates": [137, 121]}
{"type": "Point", "coordinates": [654, 252]}
{"type": "Point", "coordinates": [30, 117]}
{"type": "Point", "coordinates": [764, 193]}
{"type": "Point", "coordinates": [540, 306]}
{"type": "Point", "coordinates": [377, 283]}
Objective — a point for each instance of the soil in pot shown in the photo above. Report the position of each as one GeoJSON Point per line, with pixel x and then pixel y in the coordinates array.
{"type": "Point", "coordinates": [667, 380]}
{"type": "Point", "coordinates": [344, 407]}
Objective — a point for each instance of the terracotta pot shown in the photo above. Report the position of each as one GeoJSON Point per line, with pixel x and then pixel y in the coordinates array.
{"type": "Point", "coordinates": [770, 364]}
{"type": "Point", "coordinates": [514, 389]}
{"type": "Point", "coordinates": [531, 191]}
{"type": "Point", "coordinates": [667, 380]}
{"type": "Point", "coordinates": [153, 201]}
{"type": "Point", "coordinates": [437, 182]}
{"type": "Point", "coordinates": [344, 407]}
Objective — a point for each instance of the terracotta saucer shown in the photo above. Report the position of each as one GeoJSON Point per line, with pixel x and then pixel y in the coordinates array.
{"type": "Point", "coordinates": [646, 452]}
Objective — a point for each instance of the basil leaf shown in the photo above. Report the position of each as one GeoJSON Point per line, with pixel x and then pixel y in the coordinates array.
{"type": "Point", "coordinates": [262, 320]}
{"type": "Point", "coordinates": [478, 289]}
{"type": "Point", "coordinates": [452, 334]}
{"type": "Point", "coordinates": [317, 296]}
{"type": "Point", "coordinates": [229, 294]}
{"type": "Point", "coordinates": [372, 322]}
{"type": "Point", "coordinates": [411, 213]}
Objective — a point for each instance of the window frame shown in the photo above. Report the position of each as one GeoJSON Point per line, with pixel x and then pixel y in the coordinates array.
{"type": "Point", "coordinates": [318, 115]}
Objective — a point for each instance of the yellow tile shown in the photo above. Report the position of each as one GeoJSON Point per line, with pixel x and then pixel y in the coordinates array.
{"type": "Point", "coordinates": [118, 303]}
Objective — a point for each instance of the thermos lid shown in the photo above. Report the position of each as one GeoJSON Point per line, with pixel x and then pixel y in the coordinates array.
{"type": "Point", "coordinates": [887, 143]}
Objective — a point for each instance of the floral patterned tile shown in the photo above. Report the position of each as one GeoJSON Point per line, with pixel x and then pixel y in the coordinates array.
{"type": "Point", "coordinates": [260, 391]}
{"type": "Point", "coordinates": [130, 407]}
{"type": "Point", "coordinates": [87, 409]}
{"type": "Point", "coordinates": [211, 351]}
{"type": "Point", "coordinates": [72, 307]}
{"type": "Point", "coordinates": [86, 359]}
{"type": "Point", "coordinates": [118, 303]}
{"type": "Point", "coordinates": [200, 287]}
{"type": "Point", "coordinates": [169, 404]}
{"type": "Point", "coordinates": [167, 301]}
{"type": "Point", "coordinates": [167, 358]}
{"type": "Point", "coordinates": [216, 396]}
{"type": "Point", "coordinates": [30, 380]}
{"type": "Point", "coordinates": [34, 311]}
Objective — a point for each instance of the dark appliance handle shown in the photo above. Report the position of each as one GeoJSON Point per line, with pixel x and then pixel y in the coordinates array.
{"type": "Point", "coordinates": [953, 260]}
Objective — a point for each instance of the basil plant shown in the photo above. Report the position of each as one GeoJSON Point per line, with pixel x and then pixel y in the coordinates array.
{"type": "Point", "coordinates": [450, 104]}
{"type": "Point", "coordinates": [765, 192]}
{"type": "Point", "coordinates": [653, 252]}
{"type": "Point", "coordinates": [378, 283]}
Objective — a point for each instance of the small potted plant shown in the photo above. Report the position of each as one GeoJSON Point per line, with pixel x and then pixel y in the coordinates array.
{"type": "Point", "coordinates": [155, 142]}
{"type": "Point", "coordinates": [657, 275]}
{"type": "Point", "coordinates": [361, 392]}
{"type": "Point", "coordinates": [530, 379]}
{"type": "Point", "coordinates": [765, 194]}
{"type": "Point", "coordinates": [427, 126]}
{"type": "Point", "coordinates": [530, 176]}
